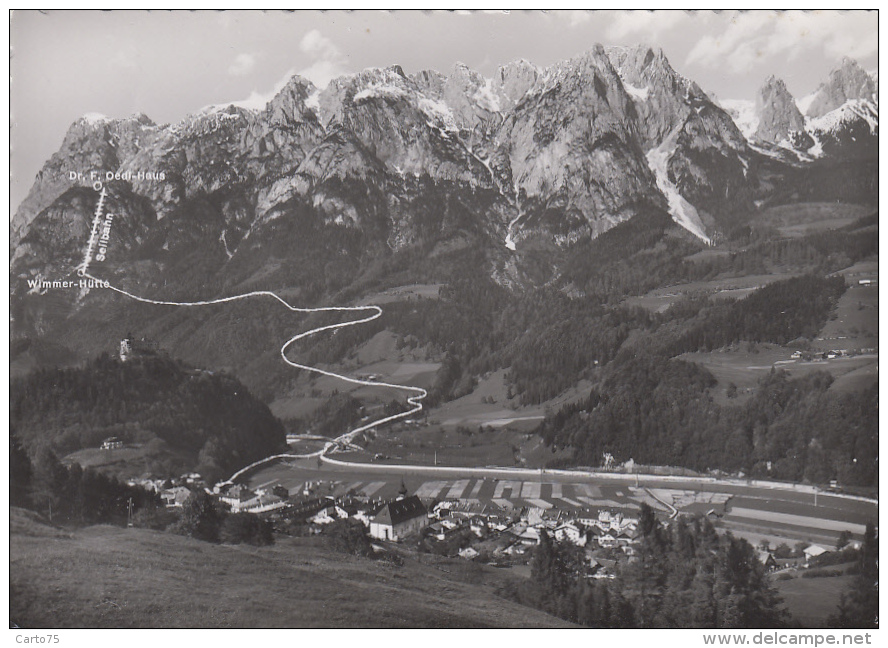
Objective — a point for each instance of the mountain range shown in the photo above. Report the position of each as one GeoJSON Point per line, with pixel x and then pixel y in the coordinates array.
{"type": "Point", "coordinates": [335, 189]}
{"type": "Point", "coordinates": [840, 118]}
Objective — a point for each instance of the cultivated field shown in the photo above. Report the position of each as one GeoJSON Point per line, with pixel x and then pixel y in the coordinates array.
{"type": "Point", "coordinates": [483, 428]}
{"type": "Point", "coordinates": [728, 287]}
{"type": "Point", "coordinates": [401, 293]}
{"type": "Point", "coordinates": [378, 357]}
{"type": "Point", "coordinates": [855, 322]}
{"type": "Point", "coordinates": [801, 219]}
{"type": "Point", "coordinates": [133, 459]}
{"type": "Point", "coordinates": [745, 364]}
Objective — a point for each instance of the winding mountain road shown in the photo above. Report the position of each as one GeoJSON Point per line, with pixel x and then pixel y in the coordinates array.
{"type": "Point", "coordinates": [756, 490]}
{"type": "Point", "coordinates": [417, 393]}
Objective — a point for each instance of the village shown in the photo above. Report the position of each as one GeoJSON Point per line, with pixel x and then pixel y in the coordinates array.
{"type": "Point", "coordinates": [491, 533]}
{"type": "Point", "coordinates": [496, 532]}
{"type": "Point", "coordinates": [485, 532]}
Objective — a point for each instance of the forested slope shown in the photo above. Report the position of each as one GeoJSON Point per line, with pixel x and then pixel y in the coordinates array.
{"type": "Point", "coordinates": [204, 421]}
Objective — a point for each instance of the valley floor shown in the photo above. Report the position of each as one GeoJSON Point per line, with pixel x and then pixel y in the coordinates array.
{"type": "Point", "coordinates": [755, 510]}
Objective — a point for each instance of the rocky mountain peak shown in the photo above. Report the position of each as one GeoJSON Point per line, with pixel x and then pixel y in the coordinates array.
{"type": "Point", "coordinates": [290, 106]}
{"type": "Point", "coordinates": [93, 142]}
{"type": "Point", "coordinates": [663, 98]}
{"type": "Point", "coordinates": [470, 96]}
{"type": "Point", "coordinates": [396, 69]}
{"type": "Point", "coordinates": [514, 80]}
{"type": "Point", "coordinates": [390, 83]}
{"type": "Point", "coordinates": [430, 82]}
{"type": "Point", "coordinates": [576, 124]}
{"type": "Point", "coordinates": [563, 153]}
{"type": "Point", "coordinates": [846, 82]}
{"type": "Point", "coordinates": [777, 113]}
{"type": "Point", "coordinates": [633, 58]}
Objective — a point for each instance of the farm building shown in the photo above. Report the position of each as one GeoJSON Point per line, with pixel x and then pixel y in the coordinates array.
{"type": "Point", "coordinates": [399, 519]}
{"type": "Point", "coordinates": [813, 551]}
{"type": "Point", "coordinates": [175, 497]}
{"type": "Point", "coordinates": [112, 443]}
{"type": "Point", "coordinates": [236, 495]}
{"type": "Point", "coordinates": [766, 558]}
{"type": "Point", "coordinates": [571, 533]}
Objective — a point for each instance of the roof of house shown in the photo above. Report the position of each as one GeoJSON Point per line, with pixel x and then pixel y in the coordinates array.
{"type": "Point", "coordinates": [815, 550]}
{"type": "Point", "coordinates": [401, 511]}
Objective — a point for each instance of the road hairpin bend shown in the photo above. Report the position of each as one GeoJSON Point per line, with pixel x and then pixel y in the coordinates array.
{"type": "Point", "coordinates": [416, 393]}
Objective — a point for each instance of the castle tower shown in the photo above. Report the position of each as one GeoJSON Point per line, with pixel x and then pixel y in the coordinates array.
{"type": "Point", "coordinates": [125, 349]}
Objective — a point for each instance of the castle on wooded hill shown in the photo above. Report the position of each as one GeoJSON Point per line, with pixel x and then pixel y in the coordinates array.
{"type": "Point", "coordinates": [132, 348]}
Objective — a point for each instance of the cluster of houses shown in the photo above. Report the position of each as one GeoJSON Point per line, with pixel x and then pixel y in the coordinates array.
{"type": "Point", "coordinates": [173, 492]}
{"type": "Point", "coordinates": [809, 356]}
{"type": "Point", "coordinates": [470, 529]}
{"type": "Point", "coordinates": [260, 500]}
{"type": "Point", "coordinates": [807, 558]}
{"type": "Point", "coordinates": [503, 535]}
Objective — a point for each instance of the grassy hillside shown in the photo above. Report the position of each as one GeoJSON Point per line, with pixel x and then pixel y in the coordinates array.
{"type": "Point", "coordinates": [811, 601]}
{"type": "Point", "coordinates": [106, 576]}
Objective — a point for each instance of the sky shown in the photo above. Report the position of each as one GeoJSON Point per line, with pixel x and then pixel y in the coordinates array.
{"type": "Point", "coordinates": [65, 64]}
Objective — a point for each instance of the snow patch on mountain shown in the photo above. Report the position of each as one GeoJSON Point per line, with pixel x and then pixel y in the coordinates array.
{"type": "Point", "coordinates": [849, 111]}
{"type": "Point", "coordinates": [805, 102]}
{"type": "Point", "coordinates": [682, 212]}
{"type": "Point", "coordinates": [486, 98]}
{"type": "Point", "coordinates": [742, 111]}
{"type": "Point", "coordinates": [638, 93]}
{"type": "Point", "coordinates": [817, 149]}
{"type": "Point", "coordinates": [510, 238]}
{"type": "Point", "coordinates": [380, 90]}
{"type": "Point", "coordinates": [250, 105]}
{"type": "Point", "coordinates": [313, 101]}
{"type": "Point", "coordinates": [94, 118]}
{"type": "Point", "coordinates": [438, 110]}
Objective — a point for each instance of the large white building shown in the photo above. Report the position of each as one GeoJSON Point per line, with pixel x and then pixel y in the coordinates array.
{"type": "Point", "coordinates": [399, 519]}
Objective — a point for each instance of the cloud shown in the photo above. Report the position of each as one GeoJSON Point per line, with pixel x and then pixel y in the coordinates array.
{"type": "Point", "coordinates": [243, 64]}
{"type": "Point", "coordinates": [125, 57]}
{"type": "Point", "coordinates": [327, 61]}
{"type": "Point", "coordinates": [650, 24]}
{"type": "Point", "coordinates": [576, 17]}
{"type": "Point", "coordinates": [257, 100]}
{"type": "Point", "coordinates": [754, 37]}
